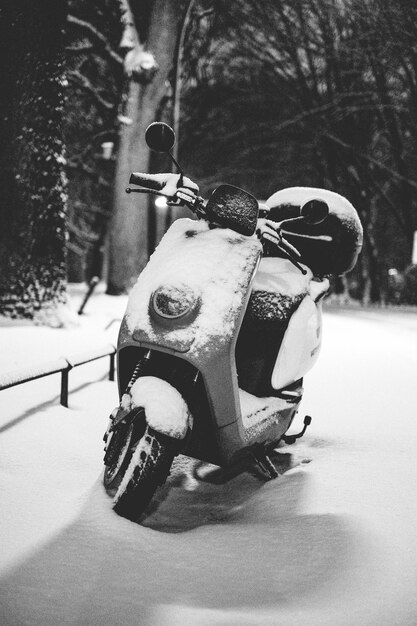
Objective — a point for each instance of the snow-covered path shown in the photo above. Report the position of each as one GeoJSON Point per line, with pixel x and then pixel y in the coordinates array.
{"type": "Point", "coordinates": [330, 542]}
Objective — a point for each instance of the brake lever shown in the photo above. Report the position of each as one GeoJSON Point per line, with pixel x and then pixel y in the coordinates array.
{"type": "Point", "coordinates": [144, 190]}
{"type": "Point", "coordinates": [171, 200]}
{"type": "Point", "coordinates": [289, 247]}
{"type": "Point", "coordinates": [196, 206]}
{"type": "Point", "coordinates": [291, 258]}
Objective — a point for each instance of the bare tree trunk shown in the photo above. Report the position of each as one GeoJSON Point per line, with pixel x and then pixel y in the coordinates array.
{"type": "Point", "coordinates": [128, 250]}
{"type": "Point", "coordinates": [32, 181]}
{"type": "Point", "coordinates": [372, 289]}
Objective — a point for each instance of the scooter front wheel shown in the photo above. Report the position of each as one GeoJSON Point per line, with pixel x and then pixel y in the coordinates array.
{"type": "Point", "coordinates": [149, 466]}
{"type": "Point", "coordinates": [120, 445]}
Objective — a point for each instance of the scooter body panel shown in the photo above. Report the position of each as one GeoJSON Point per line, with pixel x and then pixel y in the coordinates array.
{"type": "Point", "coordinates": [189, 302]}
{"type": "Point", "coordinates": [211, 271]}
{"type": "Point", "coordinates": [202, 276]}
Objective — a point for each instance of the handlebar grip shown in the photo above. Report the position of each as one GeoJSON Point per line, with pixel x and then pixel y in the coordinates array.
{"type": "Point", "coordinates": [136, 178]}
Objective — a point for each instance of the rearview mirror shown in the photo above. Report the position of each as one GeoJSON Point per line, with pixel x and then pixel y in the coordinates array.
{"type": "Point", "coordinates": [314, 211]}
{"type": "Point", "coordinates": [232, 207]}
{"type": "Point", "coordinates": [160, 137]}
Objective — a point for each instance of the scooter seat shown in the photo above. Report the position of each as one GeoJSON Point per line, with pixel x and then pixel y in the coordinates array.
{"type": "Point", "coordinates": [271, 307]}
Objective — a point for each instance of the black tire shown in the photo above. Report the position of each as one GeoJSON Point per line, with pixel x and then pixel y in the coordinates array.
{"type": "Point", "coordinates": [120, 448]}
{"type": "Point", "coordinates": [150, 462]}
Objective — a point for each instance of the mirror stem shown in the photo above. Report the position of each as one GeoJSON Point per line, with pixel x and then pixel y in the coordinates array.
{"type": "Point", "coordinates": [181, 178]}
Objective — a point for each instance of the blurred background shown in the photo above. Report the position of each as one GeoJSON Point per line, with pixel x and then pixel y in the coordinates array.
{"type": "Point", "coordinates": [262, 94]}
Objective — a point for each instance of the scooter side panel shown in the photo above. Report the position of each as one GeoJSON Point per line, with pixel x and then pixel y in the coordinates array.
{"type": "Point", "coordinates": [301, 344]}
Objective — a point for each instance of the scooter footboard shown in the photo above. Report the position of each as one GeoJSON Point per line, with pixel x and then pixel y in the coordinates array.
{"type": "Point", "coordinates": [243, 419]}
{"type": "Point", "coordinates": [264, 420]}
{"type": "Point", "coordinates": [261, 414]}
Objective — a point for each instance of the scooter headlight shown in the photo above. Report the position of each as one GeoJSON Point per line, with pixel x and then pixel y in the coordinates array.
{"type": "Point", "coordinates": [172, 302]}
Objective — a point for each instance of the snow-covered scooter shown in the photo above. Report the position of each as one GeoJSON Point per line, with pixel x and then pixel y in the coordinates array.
{"type": "Point", "coordinates": [217, 336]}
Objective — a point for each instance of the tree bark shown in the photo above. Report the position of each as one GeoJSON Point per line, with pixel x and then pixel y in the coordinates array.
{"type": "Point", "coordinates": [32, 180]}
{"type": "Point", "coordinates": [128, 248]}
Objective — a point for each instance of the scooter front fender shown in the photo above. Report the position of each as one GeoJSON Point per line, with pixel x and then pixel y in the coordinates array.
{"type": "Point", "coordinates": [165, 409]}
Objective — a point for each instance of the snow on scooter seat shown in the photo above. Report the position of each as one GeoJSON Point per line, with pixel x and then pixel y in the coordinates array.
{"type": "Point", "coordinates": [210, 267]}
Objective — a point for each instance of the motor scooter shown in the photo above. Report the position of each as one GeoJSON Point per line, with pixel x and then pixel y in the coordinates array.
{"type": "Point", "coordinates": [214, 344]}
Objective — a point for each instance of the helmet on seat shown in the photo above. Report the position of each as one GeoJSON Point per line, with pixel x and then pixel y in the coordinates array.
{"type": "Point", "coordinates": [330, 247]}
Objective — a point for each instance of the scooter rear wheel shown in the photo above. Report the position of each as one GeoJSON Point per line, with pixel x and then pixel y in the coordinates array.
{"type": "Point", "coordinates": [150, 462]}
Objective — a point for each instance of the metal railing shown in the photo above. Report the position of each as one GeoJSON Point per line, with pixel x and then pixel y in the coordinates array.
{"type": "Point", "coordinates": [61, 365]}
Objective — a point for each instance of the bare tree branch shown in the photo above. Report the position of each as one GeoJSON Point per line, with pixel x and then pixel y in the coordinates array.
{"type": "Point", "coordinates": [392, 172]}
{"type": "Point", "coordinates": [98, 36]}
{"type": "Point", "coordinates": [83, 82]}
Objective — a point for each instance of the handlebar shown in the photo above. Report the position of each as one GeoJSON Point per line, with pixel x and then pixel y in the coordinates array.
{"type": "Point", "coordinates": [312, 212]}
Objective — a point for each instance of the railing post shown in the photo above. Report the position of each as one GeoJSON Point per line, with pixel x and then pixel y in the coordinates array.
{"type": "Point", "coordinates": [111, 370]}
{"type": "Point", "coordinates": [64, 387]}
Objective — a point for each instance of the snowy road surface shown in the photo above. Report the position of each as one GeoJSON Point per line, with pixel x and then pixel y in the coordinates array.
{"type": "Point", "coordinates": [332, 541]}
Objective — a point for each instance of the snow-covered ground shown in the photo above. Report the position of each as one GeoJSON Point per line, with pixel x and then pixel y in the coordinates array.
{"type": "Point", "coordinates": [332, 541]}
